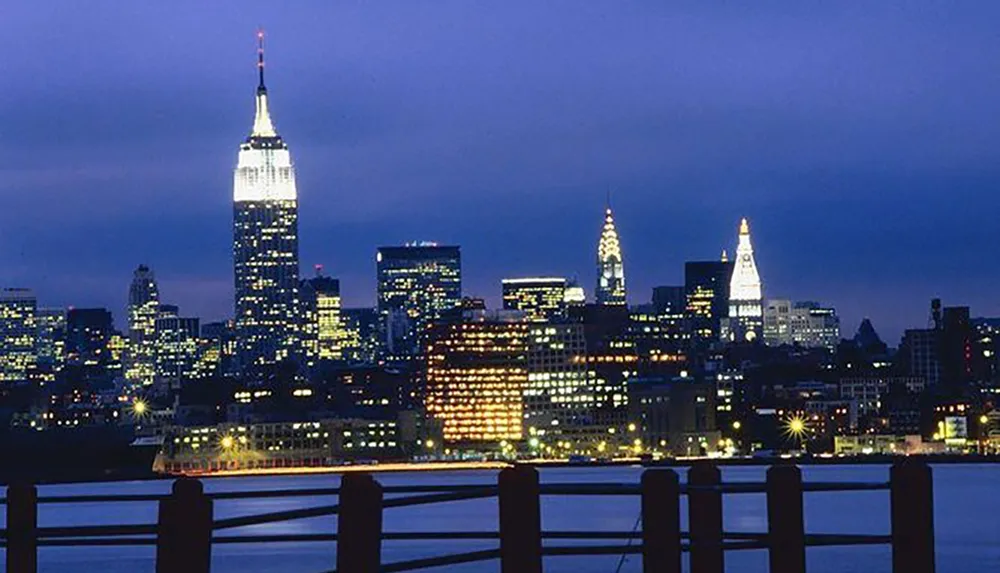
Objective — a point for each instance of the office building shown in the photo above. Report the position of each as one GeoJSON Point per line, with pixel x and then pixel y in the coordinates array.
{"type": "Point", "coordinates": [143, 309]}
{"type": "Point", "coordinates": [560, 398]}
{"type": "Point", "coordinates": [50, 342]}
{"type": "Point", "coordinates": [659, 339]}
{"type": "Point", "coordinates": [322, 328]}
{"type": "Point", "coordinates": [675, 416]}
{"type": "Point", "coordinates": [670, 300]}
{"type": "Point", "coordinates": [361, 335]}
{"type": "Point", "coordinates": [177, 350]}
{"type": "Point", "coordinates": [959, 365]}
{"type": "Point", "coordinates": [801, 323]}
{"type": "Point", "coordinates": [610, 268]}
{"type": "Point", "coordinates": [265, 243]}
{"type": "Point", "coordinates": [417, 284]}
{"type": "Point", "coordinates": [745, 323]}
{"type": "Point", "coordinates": [216, 349]}
{"type": "Point", "coordinates": [919, 356]}
{"type": "Point", "coordinates": [612, 359]}
{"type": "Point", "coordinates": [540, 299]}
{"type": "Point", "coordinates": [90, 342]}
{"type": "Point", "coordinates": [867, 391]}
{"type": "Point", "coordinates": [706, 290]}
{"type": "Point", "coordinates": [18, 334]}
{"type": "Point", "coordinates": [476, 373]}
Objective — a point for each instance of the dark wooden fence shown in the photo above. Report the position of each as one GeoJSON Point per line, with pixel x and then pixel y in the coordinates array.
{"type": "Point", "coordinates": [186, 529]}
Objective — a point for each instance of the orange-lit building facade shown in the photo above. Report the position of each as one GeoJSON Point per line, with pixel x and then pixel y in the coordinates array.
{"type": "Point", "coordinates": [476, 372]}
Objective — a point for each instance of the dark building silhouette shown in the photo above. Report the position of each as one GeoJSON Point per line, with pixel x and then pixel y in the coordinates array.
{"type": "Point", "coordinates": [706, 288]}
{"type": "Point", "coordinates": [88, 342]}
{"type": "Point", "coordinates": [669, 299]}
{"type": "Point", "coordinates": [676, 415]}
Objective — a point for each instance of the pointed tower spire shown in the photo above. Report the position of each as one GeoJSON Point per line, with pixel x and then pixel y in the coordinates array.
{"type": "Point", "coordinates": [610, 269]}
{"type": "Point", "coordinates": [725, 256]}
{"type": "Point", "coordinates": [745, 304]}
{"type": "Point", "coordinates": [262, 126]}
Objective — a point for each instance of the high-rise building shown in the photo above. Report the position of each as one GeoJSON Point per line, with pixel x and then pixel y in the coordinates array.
{"type": "Point", "coordinates": [417, 284]}
{"type": "Point", "coordinates": [706, 288]}
{"type": "Point", "coordinates": [177, 346]}
{"type": "Point", "coordinates": [89, 342]}
{"type": "Point", "coordinates": [958, 363]}
{"type": "Point", "coordinates": [745, 309]}
{"type": "Point", "coordinates": [143, 309]}
{"type": "Point", "coordinates": [50, 342]}
{"type": "Point", "coordinates": [361, 342]}
{"type": "Point", "coordinates": [265, 243]}
{"type": "Point", "coordinates": [18, 333]}
{"type": "Point", "coordinates": [612, 359]}
{"type": "Point", "coordinates": [476, 373]}
{"type": "Point", "coordinates": [610, 268]}
{"type": "Point", "coordinates": [919, 354]}
{"type": "Point", "coordinates": [803, 323]}
{"type": "Point", "coordinates": [218, 348]}
{"type": "Point", "coordinates": [559, 397]}
{"type": "Point", "coordinates": [322, 329]}
{"type": "Point", "coordinates": [541, 299]}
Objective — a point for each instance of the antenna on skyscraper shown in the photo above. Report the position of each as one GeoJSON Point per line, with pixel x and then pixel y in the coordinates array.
{"type": "Point", "coordinates": [260, 58]}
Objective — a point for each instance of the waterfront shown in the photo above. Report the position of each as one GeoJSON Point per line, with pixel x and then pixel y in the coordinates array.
{"type": "Point", "coordinates": [966, 508]}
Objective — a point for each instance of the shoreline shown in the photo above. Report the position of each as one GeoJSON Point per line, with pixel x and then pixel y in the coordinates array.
{"type": "Point", "coordinates": [445, 466]}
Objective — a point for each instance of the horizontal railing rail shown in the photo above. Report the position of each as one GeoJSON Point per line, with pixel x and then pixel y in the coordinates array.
{"type": "Point", "coordinates": [186, 527]}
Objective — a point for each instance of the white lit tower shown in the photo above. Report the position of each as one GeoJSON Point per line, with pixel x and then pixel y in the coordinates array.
{"type": "Point", "coordinates": [265, 242]}
{"type": "Point", "coordinates": [610, 270]}
{"type": "Point", "coordinates": [143, 310]}
{"type": "Point", "coordinates": [746, 315]}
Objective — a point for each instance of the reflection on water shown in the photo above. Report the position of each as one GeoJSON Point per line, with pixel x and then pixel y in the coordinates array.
{"type": "Point", "coordinates": [967, 506]}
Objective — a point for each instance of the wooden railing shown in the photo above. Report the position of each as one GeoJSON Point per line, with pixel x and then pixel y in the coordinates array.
{"type": "Point", "coordinates": [186, 528]}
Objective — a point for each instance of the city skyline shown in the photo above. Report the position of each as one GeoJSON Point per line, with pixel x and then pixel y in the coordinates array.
{"type": "Point", "coordinates": [82, 251]}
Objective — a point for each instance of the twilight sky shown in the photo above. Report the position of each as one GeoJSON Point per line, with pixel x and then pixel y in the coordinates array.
{"type": "Point", "coordinates": [860, 138]}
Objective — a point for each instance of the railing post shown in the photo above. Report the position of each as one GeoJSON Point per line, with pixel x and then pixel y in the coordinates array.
{"type": "Point", "coordinates": [22, 528]}
{"type": "Point", "coordinates": [520, 520]}
{"type": "Point", "coordinates": [359, 524]}
{"type": "Point", "coordinates": [661, 522]}
{"type": "Point", "coordinates": [786, 535]}
{"type": "Point", "coordinates": [705, 518]}
{"type": "Point", "coordinates": [912, 500]}
{"type": "Point", "coordinates": [184, 530]}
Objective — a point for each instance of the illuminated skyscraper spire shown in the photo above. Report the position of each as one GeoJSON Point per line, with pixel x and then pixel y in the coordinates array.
{"type": "Point", "coordinates": [262, 126]}
{"type": "Point", "coordinates": [265, 241]}
{"type": "Point", "coordinates": [745, 308]}
{"type": "Point", "coordinates": [610, 270]}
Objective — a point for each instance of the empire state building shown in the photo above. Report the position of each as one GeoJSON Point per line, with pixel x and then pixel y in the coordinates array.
{"type": "Point", "coordinates": [265, 242]}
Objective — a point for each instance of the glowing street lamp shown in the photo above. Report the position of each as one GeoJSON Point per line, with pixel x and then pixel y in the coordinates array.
{"type": "Point", "coordinates": [139, 409]}
{"type": "Point", "coordinates": [227, 443]}
{"type": "Point", "coordinates": [796, 429]}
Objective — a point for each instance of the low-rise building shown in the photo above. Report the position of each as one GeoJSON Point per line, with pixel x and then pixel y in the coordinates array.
{"type": "Point", "coordinates": [278, 445]}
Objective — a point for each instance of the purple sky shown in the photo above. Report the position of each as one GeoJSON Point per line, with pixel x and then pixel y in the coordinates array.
{"type": "Point", "coordinates": [860, 138]}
